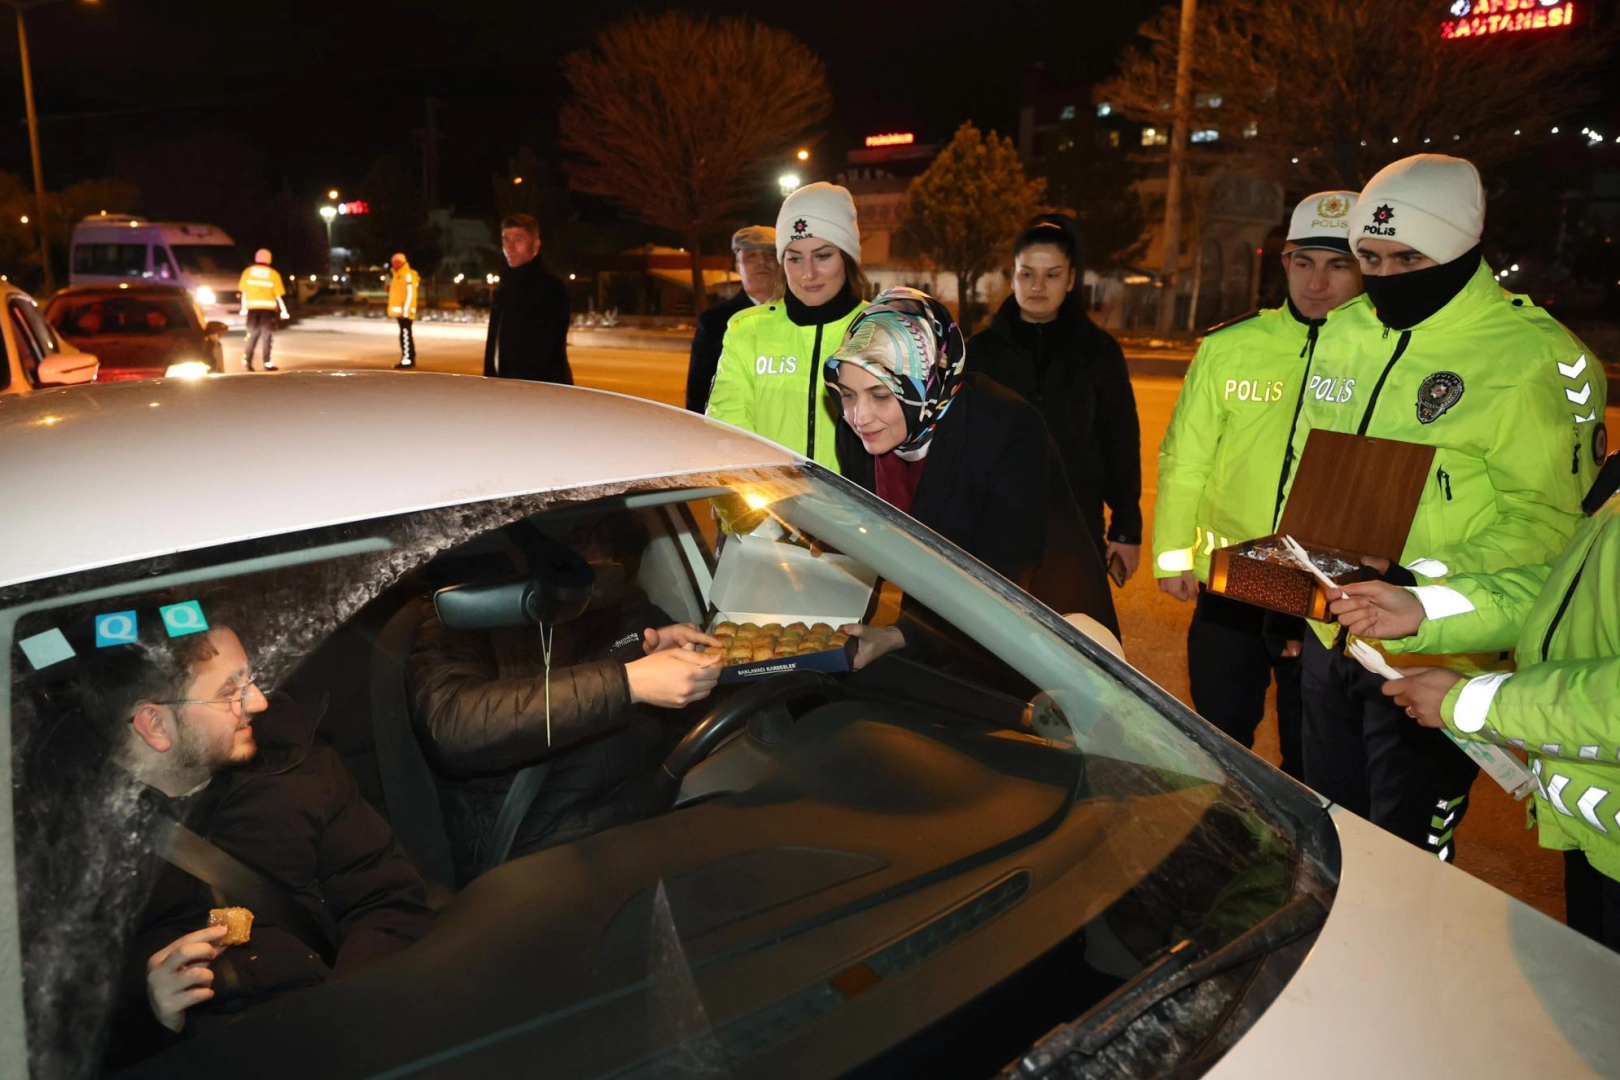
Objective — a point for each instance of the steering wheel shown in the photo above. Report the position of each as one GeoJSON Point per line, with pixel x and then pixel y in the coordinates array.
{"type": "Point", "coordinates": [722, 721]}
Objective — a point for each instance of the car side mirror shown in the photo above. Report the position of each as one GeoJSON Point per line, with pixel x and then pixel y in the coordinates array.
{"type": "Point", "coordinates": [1097, 632]}
{"type": "Point", "coordinates": [67, 369]}
{"type": "Point", "coordinates": [215, 329]}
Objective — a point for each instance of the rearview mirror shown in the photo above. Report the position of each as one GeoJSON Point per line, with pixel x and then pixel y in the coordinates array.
{"type": "Point", "coordinates": [67, 369]}
{"type": "Point", "coordinates": [215, 329]}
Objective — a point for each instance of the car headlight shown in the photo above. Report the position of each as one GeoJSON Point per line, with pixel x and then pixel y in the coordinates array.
{"type": "Point", "coordinates": [204, 294]}
{"type": "Point", "coordinates": [188, 369]}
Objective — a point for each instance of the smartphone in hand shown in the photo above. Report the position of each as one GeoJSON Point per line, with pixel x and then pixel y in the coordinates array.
{"type": "Point", "coordinates": [1116, 569]}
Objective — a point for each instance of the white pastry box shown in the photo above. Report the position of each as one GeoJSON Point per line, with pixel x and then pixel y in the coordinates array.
{"type": "Point", "coordinates": [765, 581]}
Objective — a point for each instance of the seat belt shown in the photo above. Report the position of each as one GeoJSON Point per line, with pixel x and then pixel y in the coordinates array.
{"type": "Point", "coordinates": [210, 864]}
{"type": "Point", "coordinates": [519, 797]}
{"type": "Point", "coordinates": [409, 790]}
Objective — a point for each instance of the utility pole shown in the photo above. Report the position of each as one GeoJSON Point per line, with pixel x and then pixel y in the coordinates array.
{"type": "Point", "coordinates": [39, 168]}
{"type": "Point", "coordinates": [427, 138]}
{"type": "Point", "coordinates": [1181, 119]}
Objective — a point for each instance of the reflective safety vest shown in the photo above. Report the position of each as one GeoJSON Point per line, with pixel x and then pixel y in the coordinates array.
{"type": "Point", "coordinates": [1512, 404]}
{"type": "Point", "coordinates": [403, 290]}
{"type": "Point", "coordinates": [1558, 706]}
{"type": "Point", "coordinates": [769, 379]}
{"type": "Point", "coordinates": [262, 289]}
{"type": "Point", "coordinates": [1221, 461]}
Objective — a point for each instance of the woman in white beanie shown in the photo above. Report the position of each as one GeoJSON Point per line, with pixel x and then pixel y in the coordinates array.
{"type": "Point", "coordinates": [769, 378]}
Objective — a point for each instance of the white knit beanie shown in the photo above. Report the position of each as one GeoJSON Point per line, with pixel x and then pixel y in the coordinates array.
{"type": "Point", "coordinates": [820, 211]}
{"type": "Point", "coordinates": [1432, 202]}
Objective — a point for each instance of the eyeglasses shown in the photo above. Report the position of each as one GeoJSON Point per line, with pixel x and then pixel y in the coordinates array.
{"type": "Point", "coordinates": [237, 702]}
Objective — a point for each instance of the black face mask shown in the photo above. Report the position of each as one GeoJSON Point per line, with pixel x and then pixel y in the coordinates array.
{"type": "Point", "coordinates": [1404, 300]}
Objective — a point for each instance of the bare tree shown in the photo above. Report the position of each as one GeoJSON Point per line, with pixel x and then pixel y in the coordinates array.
{"type": "Point", "coordinates": [678, 118]}
{"type": "Point", "coordinates": [1323, 95]}
{"type": "Point", "coordinates": [968, 207]}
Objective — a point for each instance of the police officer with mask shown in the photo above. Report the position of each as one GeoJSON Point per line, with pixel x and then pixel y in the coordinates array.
{"type": "Point", "coordinates": [1221, 472]}
{"type": "Point", "coordinates": [1438, 354]}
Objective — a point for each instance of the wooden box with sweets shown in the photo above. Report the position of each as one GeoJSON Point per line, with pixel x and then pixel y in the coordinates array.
{"type": "Point", "coordinates": [778, 607]}
{"type": "Point", "coordinates": [1352, 497]}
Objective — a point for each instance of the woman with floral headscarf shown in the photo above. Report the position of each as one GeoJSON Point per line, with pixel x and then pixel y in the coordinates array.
{"type": "Point", "coordinates": [955, 450]}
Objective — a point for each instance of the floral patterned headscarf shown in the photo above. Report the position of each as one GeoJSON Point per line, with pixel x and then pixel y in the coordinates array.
{"type": "Point", "coordinates": [910, 342]}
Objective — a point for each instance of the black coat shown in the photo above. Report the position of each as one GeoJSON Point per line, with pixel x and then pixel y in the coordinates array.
{"type": "Point", "coordinates": [1074, 372]}
{"type": "Point", "coordinates": [528, 327]}
{"type": "Point", "coordinates": [994, 487]}
{"type": "Point", "coordinates": [295, 815]}
{"type": "Point", "coordinates": [706, 342]}
{"type": "Point", "coordinates": [478, 701]}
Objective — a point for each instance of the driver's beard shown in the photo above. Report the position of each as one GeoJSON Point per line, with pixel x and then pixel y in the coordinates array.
{"type": "Point", "coordinates": [196, 755]}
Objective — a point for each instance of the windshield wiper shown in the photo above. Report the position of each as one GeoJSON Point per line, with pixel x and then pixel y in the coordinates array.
{"type": "Point", "coordinates": [1173, 972]}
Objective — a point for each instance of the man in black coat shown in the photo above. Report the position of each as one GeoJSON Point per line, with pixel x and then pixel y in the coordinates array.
{"type": "Point", "coordinates": [528, 321]}
{"type": "Point", "coordinates": [755, 249]}
{"type": "Point", "coordinates": [176, 730]}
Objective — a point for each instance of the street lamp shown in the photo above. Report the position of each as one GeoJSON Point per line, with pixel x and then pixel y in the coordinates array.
{"type": "Point", "coordinates": [19, 6]}
{"type": "Point", "coordinates": [803, 155]}
{"type": "Point", "coordinates": [788, 182]}
{"type": "Point", "coordinates": [332, 194]}
{"type": "Point", "coordinates": [329, 214]}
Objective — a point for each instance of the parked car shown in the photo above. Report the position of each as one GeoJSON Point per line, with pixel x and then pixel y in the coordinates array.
{"type": "Point", "coordinates": [35, 356]}
{"type": "Point", "coordinates": [1005, 850]}
{"type": "Point", "coordinates": [139, 331]}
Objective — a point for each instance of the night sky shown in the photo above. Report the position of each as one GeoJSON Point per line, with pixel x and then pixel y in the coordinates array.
{"type": "Point", "coordinates": [323, 88]}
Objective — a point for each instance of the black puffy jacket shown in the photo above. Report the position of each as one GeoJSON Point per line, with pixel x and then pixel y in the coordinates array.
{"type": "Point", "coordinates": [478, 701]}
{"type": "Point", "coordinates": [294, 814]}
{"type": "Point", "coordinates": [1074, 372]}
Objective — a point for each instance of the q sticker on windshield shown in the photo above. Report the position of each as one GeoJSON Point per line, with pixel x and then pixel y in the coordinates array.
{"type": "Point", "coordinates": [47, 648]}
{"type": "Point", "coordinates": [115, 628]}
{"type": "Point", "coordinates": [183, 618]}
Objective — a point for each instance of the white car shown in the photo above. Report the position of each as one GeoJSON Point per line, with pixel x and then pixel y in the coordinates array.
{"type": "Point", "coordinates": [36, 358]}
{"type": "Point", "coordinates": [1005, 852]}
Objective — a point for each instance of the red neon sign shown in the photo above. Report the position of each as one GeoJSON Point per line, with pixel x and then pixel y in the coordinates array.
{"type": "Point", "coordinates": [359, 206]}
{"type": "Point", "coordinates": [1480, 18]}
{"type": "Point", "coordinates": [893, 138]}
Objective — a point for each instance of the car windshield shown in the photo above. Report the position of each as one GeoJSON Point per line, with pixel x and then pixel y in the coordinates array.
{"type": "Point", "coordinates": [106, 315]}
{"type": "Point", "coordinates": [208, 258]}
{"type": "Point", "coordinates": [999, 809]}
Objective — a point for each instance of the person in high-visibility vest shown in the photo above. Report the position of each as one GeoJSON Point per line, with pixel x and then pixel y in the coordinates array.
{"type": "Point", "coordinates": [1220, 473]}
{"type": "Point", "coordinates": [263, 305]}
{"type": "Point", "coordinates": [403, 290]}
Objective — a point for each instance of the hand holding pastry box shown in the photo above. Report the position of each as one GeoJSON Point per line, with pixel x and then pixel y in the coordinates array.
{"type": "Point", "coordinates": [779, 606]}
{"type": "Point", "coordinates": [1352, 498]}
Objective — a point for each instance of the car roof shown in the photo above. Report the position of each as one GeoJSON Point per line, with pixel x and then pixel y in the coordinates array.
{"type": "Point", "coordinates": [106, 474]}
{"type": "Point", "coordinates": [132, 288]}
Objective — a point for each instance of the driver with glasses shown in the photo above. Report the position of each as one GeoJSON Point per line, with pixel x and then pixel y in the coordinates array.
{"type": "Point", "coordinates": [177, 720]}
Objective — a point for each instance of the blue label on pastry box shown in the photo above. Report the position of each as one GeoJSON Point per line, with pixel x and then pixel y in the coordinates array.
{"type": "Point", "coordinates": [830, 661]}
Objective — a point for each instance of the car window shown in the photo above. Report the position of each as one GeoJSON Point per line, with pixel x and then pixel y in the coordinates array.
{"type": "Point", "coordinates": [34, 338]}
{"type": "Point", "coordinates": [208, 258]}
{"type": "Point", "coordinates": [109, 260]}
{"type": "Point", "coordinates": [162, 268]}
{"type": "Point", "coordinates": [96, 315]}
{"type": "Point", "coordinates": [996, 733]}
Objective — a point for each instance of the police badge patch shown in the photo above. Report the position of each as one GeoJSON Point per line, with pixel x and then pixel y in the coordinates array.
{"type": "Point", "coordinates": [1438, 393]}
